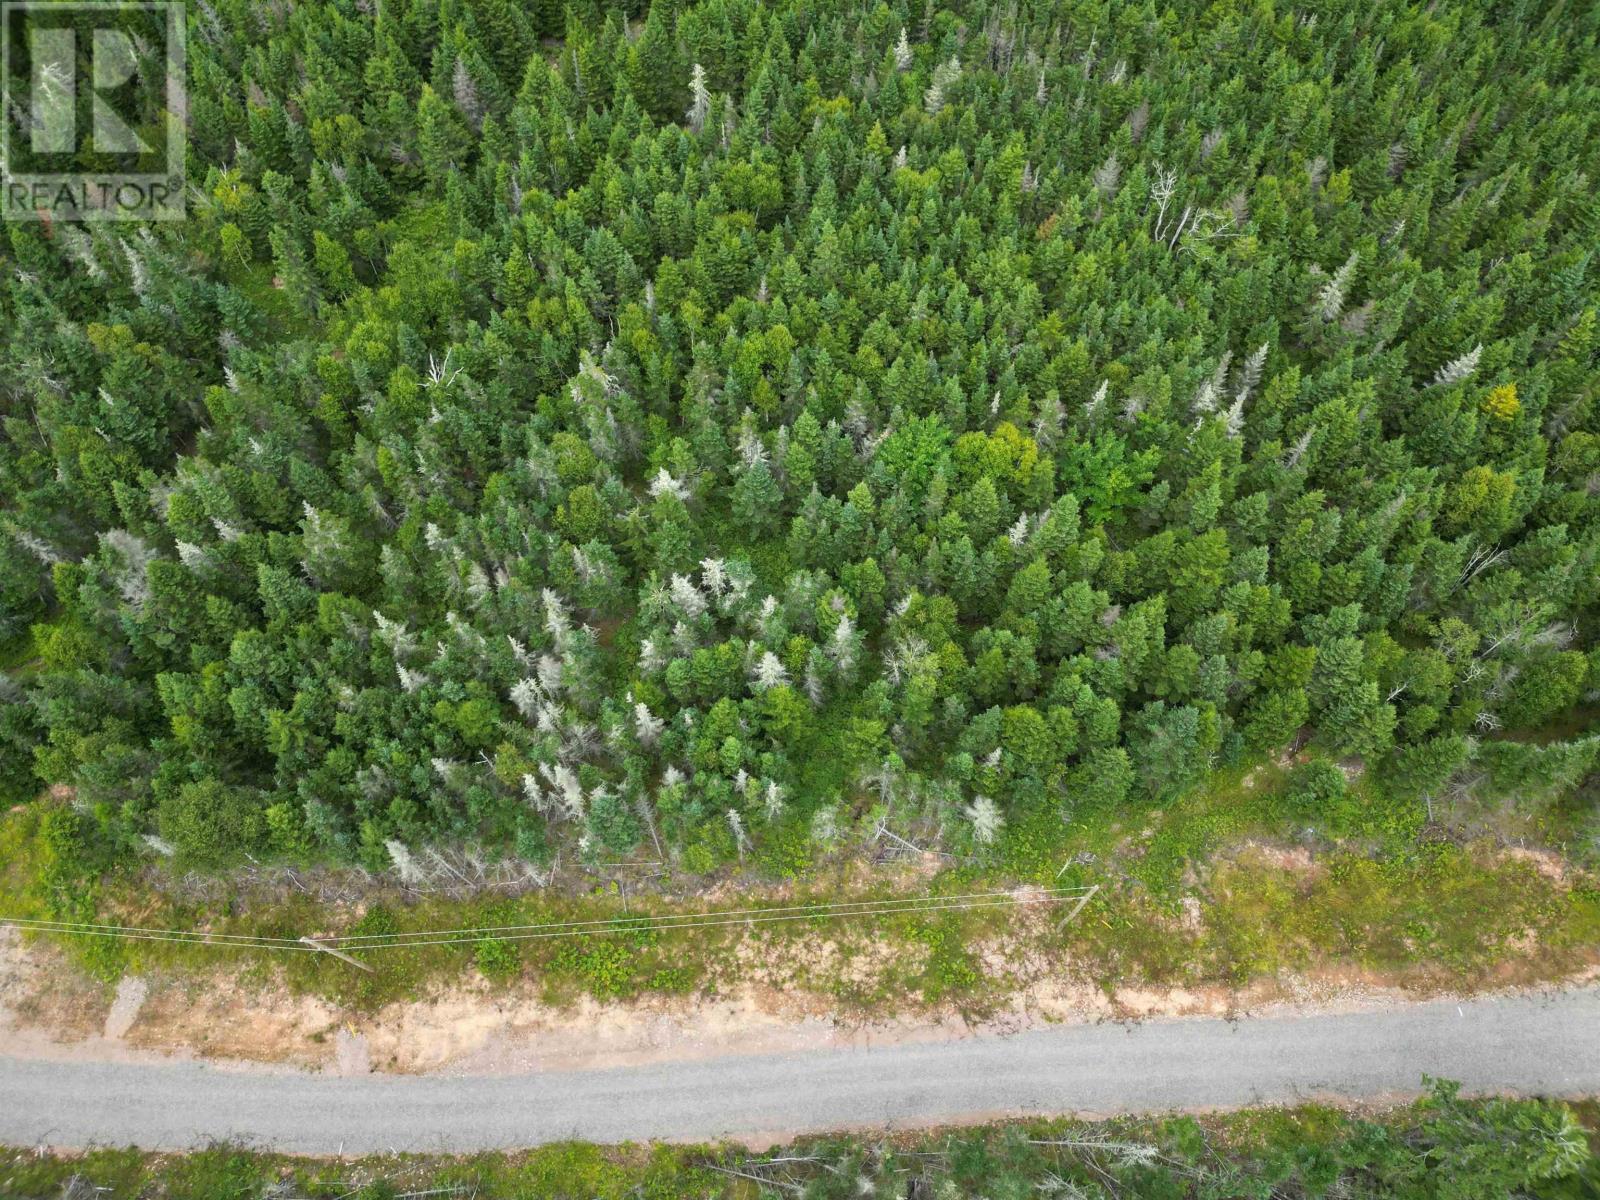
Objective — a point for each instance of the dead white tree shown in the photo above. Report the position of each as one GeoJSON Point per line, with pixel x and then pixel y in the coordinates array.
{"type": "Point", "coordinates": [902, 52]}
{"type": "Point", "coordinates": [700, 107]}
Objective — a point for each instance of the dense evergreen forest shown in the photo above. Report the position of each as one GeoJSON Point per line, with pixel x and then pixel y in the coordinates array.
{"type": "Point", "coordinates": [667, 429]}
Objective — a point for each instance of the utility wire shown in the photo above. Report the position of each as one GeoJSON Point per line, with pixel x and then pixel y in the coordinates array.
{"type": "Point", "coordinates": [559, 929]}
{"type": "Point", "coordinates": [842, 908]}
{"type": "Point", "coordinates": [197, 935]}
{"type": "Point", "coordinates": [136, 935]}
{"type": "Point", "coordinates": [821, 909]}
{"type": "Point", "coordinates": [624, 926]}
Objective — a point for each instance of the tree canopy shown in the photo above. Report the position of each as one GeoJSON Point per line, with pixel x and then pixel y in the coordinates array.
{"type": "Point", "coordinates": [665, 428]}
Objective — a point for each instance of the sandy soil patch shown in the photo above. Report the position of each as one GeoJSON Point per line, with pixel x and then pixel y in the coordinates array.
{"type": "Point", "coordinates": [1548, 863]}
{"type": "Point", "coordinates": [132, 992]}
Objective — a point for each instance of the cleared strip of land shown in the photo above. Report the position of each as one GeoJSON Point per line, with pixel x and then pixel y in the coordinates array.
{"type": "Point", "coordinates": [1544, 1043]}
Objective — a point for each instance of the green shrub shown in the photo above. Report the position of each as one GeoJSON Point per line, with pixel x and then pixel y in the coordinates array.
{"type": "Point", "coordinates": [951, 970]}
{"type": "Point", "coordinates": [498, 958]}
{"type": "Point", "coordinates": [210, 823]}
{"type": "Point", "coordinates": [220, 1173]}
{"type": "Point", "coordinates": [601, 965]}
{"type": "Point", "coordinates": [785, 852]}
{"type": "Point", "coordinates": [1317, 791]}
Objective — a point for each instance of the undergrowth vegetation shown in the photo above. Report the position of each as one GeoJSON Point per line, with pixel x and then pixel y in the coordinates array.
{"type": "Point", "coordinates": [1224, 886]}
{"type": "Point", "coordinates": [1443, 1147]}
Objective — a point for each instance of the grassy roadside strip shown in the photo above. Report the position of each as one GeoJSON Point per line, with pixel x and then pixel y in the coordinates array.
{"type": "Point", "coordinates": [1441, 1146]}
{"type": "Point", "coordinates": [1220, 888]}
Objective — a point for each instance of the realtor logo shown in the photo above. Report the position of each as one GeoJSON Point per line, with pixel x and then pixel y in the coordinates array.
{"type": "Point", "coordinates": [94, 111]}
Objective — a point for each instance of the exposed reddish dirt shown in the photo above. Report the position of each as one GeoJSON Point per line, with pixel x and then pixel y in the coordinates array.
{"type": "Point", "coordinates": [48, 1009]}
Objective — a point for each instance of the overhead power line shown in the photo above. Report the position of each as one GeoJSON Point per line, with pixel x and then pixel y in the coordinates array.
{"type": "Point", "coordinates": [624, 925]}
{"type": "Point", "coordinates": [329, 943]}
{"type": "Point", "coordinates": [821, 909]}
{"type": "Point", "coordinates": [139, 934]}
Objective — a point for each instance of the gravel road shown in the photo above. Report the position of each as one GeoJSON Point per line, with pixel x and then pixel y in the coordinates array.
{"type": "Point", "coordinates": [1545, 1043]}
